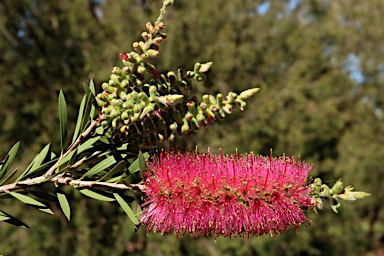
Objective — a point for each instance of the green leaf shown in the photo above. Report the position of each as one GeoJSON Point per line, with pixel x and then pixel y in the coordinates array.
{"type": "Point", "coordinates": [86, 145]}
{"type": "Point", "coordinates": [116, 179]}
{"type": "Point", "coordinates": [139, 163]}
{"type": "Point", "coordinates": [63, 203]}
{"type": "Point", "coordinates": [100, 166]}
{"type": "Point", "coordinates": [9, 177]}
{"type": "Point", "coordinates": [6, 164]}
{"type": "Point", "coordinates": [40, 157]}
{"type": "Point", "coordinates": [11, 220]}
{"type": "Point", "coordinates": [93, 109]}
{"type": "Point", "coordinates": [94, 195]}
{"type": "Point", "coordinates": [126, 209]}
{"type": "Point", "coordinates": [63, 117]}
{"type": "Point", "coordinates": [35, 165]}
{"type": "Point", "coordinates": [79, 119]}
{"type": "Point", "coordinates": [119, 167]}
{"type": "Point", "coordinates": [28, 200]}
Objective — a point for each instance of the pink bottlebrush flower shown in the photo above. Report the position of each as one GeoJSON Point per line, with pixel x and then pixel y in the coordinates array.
{"type": "Point", "coordinates": [207, 194]}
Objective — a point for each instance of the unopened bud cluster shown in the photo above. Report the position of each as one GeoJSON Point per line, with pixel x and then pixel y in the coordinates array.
{"type": "Point", "coordinates": [145, 111]}
{"type": "Point", "coordinates": [334, 194]}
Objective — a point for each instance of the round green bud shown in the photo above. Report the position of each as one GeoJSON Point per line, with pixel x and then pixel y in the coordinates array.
{"type": "Point", "coordinates": [152, 53]}
{"type": "Point", "coordinates": [100, 103]}
{"type": "Point", "coordinates": [185, 127]}
{"type": "Point", "coordinates": [173, 127]}
{"type": "Point", "coordinates": [200, 77]}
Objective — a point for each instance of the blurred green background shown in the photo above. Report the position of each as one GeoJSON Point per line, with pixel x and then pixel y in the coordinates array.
{"type": "Point", "coordinates": [320, 67]}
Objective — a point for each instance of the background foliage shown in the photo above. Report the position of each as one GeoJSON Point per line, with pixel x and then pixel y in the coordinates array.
{"type": "Point", "coordinates": [320, 65]}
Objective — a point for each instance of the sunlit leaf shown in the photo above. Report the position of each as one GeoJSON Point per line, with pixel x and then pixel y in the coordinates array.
{"type": "Point", "coordinates": [100, 166]}
{"type": "Point", "coordinates": [94, 195]}
{"type": "Point", "coordinates": [86, 145]}
{"type": "Point", "coordinates": [139, 163]}
{"type": "Point", "coordinates": [30, 201]}
{"type": "Point", "coordinates": [63, 203]}
{"type": "Point", "coordinates": [127, 209]}
{"type": "Point", "coordinates": [63, 117]}
{"type": "Point", "coordinates": [40, 157]}
{"type": "Point", "coordinates": [119, 167]}
{"type": "Point", "coordinates": [79, 119]}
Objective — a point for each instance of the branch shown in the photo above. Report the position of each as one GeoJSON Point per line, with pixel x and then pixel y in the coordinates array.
{"type": "Point", "coordinates": [74, 145]}
{"type": "Point", "coordinates": [71, 182]}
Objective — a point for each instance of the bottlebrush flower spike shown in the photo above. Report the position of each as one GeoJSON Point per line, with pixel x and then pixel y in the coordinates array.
{"type": "Point", "coordinates": [229, 195]}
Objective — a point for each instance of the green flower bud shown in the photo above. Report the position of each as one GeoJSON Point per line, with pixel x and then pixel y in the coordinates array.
{"type": "Point", "coordinates": [227, 108]}
{"type": "Point", "coordinates": [338, 187]}
{"type": "Point", "coordinates": [152, 53]}
{"type": "Point", "coordinates": [181, 73]}
{"type": "Point", "coordinates": [171, 137]}
{"type": "Point", "coordinates": [160, 137]}
{"type": "Point", "coordinates": [221, 114]}
{"type": "Point", "coordinates": [173, 127]}
{"type": "Point", "coordinates": [123, 129]}
{"type": "Point", "coordinates": [171, 76]}
{"type": "Point", "coordinates": [137, 47]}
{"type": "Point", "coordinates": [200, 117]}
{"type": "Point", "coordinates": [206, 98]}
{"type": "Point", "coordinates": [143, 97]}
{"type": "Point", "coordinates": [204, 67]}
{"type": "Point", "coordinates": [125, 115]}
{"type": "Point", "coordinates": [141, 70]}
{"type": "Point", "coordinates": [200, 77]}
{"type": "Point", "coordinates": [124, 84]}
{"type": "Point", "coordinates": [196, 68]}
{"type": "Point", "coordinates": [145, 36]}
{"type": "Point", "coordinates": [100, 103]}
{"type": "Point", "coordinates": [248, 93]}
{"type": "Point", "coordinates": [170, 99]}
{"type": "Point", "coordinates": [240, 103]}
{"type": "Point", "coordinates": [116, 70]}
{"type": "Point", "coordinates": [104, 123]}
{"type": "Point", "coordinates": [190, 74]}
{"type": "Point", "coordinates": [232, 96]}
{"type": "Point", "coordinates": [185, 127]}
{"type": "Point", "coordinates": [132, 79]}
{"type": "Point", "coordinates": [104, 86]}
{"type": "Point", "coordinates": [115, 122]}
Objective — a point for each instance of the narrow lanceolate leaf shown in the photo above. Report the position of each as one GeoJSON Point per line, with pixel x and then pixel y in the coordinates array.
{"type": "Point", "coordinates": [40, 158]}
{"type": "Point", "coordinates": [11, 220]}
{"type": "Point", "coordinates": [30, 201]}
{"type": "Point", "coordinates": [118, 168]}
{"type": "Point", "coordinates": [95, 195]}
{"type": "Point", "coordinates": [100, 167]}
{"type": "Point", "coordinates": [86, 145]}
{"type": "Point", "coordinates": [10, 175]}
{"type": "Point", "coordinates": [36, 163]}
{"type": "Point", "coordinates": [63, 203]}
{"type": "Point", "coordinates": [6, 164]}
{"type": "Point", "coordinates": [139, 163]}
{"type": "Point", "coordinates": [127, 209]}
{"type": "Point", "coordinates": [79, 119]}
{"type": "Point", "coordinates": [63, 119]}
{"type": "Point", "coordinates": [93, 109]}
